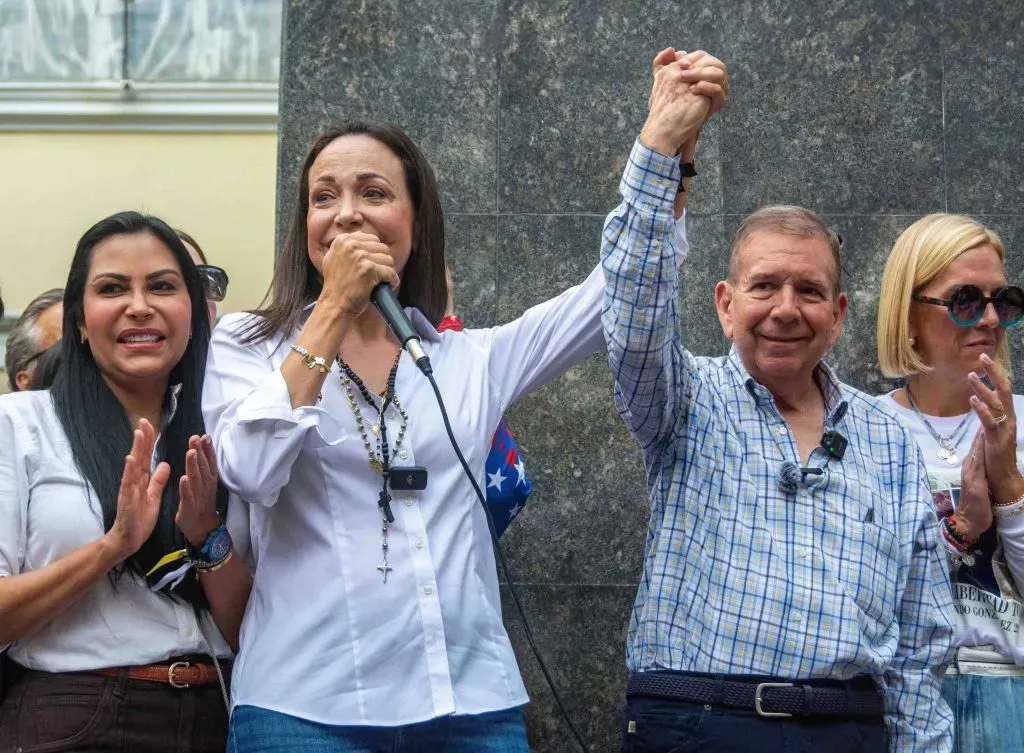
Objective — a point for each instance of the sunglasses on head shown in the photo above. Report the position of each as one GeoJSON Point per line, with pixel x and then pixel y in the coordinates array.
{"type": "Point", "coordinates": [966, 304]}
{"type": "Point", "coordinates": [215, 282]}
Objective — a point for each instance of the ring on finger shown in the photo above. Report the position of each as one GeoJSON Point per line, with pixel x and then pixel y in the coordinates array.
{"type": "Point", "coordinates": [1000, 418]}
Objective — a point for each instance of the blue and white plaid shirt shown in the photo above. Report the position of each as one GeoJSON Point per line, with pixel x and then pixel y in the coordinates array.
{"type": "Point", "coordinates": [839, 579]}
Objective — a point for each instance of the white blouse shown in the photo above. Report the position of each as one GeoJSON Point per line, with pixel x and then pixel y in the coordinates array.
{"type": "Point", "coordinates": [986, 595]}
{"type": "Point", "coordinates": [324, 637]}
{"type": "Point", "coordinates": [47, 511]}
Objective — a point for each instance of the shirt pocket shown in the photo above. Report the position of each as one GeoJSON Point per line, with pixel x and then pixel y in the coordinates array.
{"type": "Point", "coordinates": [864, 558]}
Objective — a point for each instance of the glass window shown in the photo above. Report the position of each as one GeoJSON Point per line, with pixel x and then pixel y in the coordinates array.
{"type": "Point", "coordinates": [165, 40]}
{"type": "Point", "coordinates": [156, 56]}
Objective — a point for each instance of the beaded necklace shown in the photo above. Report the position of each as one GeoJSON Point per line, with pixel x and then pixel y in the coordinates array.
{"type": "Point", "coordinates": [377, 450]}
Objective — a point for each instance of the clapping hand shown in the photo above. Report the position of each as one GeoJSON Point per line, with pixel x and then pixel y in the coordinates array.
{"type": "Point", "coordinates": [140, 495]}
{"type": "Point", "coordinates": [197, 509]}
{"type": "Point", "coordinates": [973, 512]}
{"type": "Point", "coordinates": [994, 406]}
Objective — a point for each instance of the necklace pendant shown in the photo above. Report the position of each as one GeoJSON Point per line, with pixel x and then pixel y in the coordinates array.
{"type": "Point", "coordinates": [952, 459]}
{"type": "Point", "coordinates": [377, 465]}
{"type": "Point", "coordinates": [384, 570]}
{"type": "Point", "coordinates": [943, 454]}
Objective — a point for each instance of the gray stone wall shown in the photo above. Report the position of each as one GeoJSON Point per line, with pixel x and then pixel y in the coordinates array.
{"type": "Point", "coordinates": [873, 113]}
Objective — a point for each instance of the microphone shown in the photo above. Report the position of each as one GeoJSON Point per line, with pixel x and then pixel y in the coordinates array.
{"type": "Point", "coordinates": [385, 301]}
{"type": "Point", "coordinates": [790, 476]}
{"type": "Point", "coordinates": [833, 442]}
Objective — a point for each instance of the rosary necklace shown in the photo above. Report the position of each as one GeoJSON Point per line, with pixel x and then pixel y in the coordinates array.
{"type": "Point", "coordinates": [947, 445]}
{"type": "Point", "coordinates": [377, 450]}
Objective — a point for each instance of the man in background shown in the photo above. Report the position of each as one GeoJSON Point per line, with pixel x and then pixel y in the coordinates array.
{"type": "Point", "coordinates": [37, 328]}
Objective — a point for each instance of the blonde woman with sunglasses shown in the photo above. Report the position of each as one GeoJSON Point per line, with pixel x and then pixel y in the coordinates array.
{"type": "Point", "coordinates": [943, 317]}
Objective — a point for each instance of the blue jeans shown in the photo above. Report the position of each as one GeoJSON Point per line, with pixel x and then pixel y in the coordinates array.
{"type": "Point", "coordinates": [989, 713]}
{"type": "Point", "coordinates": [257, 730]}
{"type": "Point", "coordinates": [653, 725]}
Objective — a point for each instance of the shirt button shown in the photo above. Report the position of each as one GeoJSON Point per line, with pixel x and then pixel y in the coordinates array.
{"type": "Point", "coordinates": [782, 430]}
{"type": "Point", "coordinates": [419, 544]}
{"type": "Point", "coordinates": [428, 590]}
{"type": "Point", "coordinates": [408, 502]}
{"type": "Point", "coordinates": [403, 454]}
{"type": "Point", "coordinates": [805, 553]}
{"type": "Point", "coordinates": [798, 617]}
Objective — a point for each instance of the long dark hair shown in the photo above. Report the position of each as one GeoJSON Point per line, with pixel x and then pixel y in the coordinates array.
{"type": "Point", "coordinates": [96, 423]}
{"type": "Point", "coordinates": [296, 282]}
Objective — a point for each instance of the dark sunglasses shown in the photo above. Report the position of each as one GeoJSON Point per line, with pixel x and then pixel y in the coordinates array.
{"type": "Point", "coordinates": [215, 282]}
{"type": "Point", "coordinates": [966, 304]}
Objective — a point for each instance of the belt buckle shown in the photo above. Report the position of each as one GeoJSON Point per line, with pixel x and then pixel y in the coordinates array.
{"type": "Point", "coordinates": [757, 699]}
{"type": "Point", "coordinates": [170, 674]}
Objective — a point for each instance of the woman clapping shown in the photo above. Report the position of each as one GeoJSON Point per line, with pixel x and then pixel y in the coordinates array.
{"type": "Point", "coordinates": [944, 313]}
{"type": "Point", "coordinates": [109, 507]}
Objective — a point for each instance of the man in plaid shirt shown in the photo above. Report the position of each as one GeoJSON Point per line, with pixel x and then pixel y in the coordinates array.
{"type": "Point", "coordinates": [793, 596]}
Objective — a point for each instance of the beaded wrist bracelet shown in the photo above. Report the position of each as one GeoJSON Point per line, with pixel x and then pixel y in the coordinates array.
{"type": "Point", "coordinates": [1008, 504]}
{"type": "Point", "coordinates": [949, 527]}
{"type": "Point", "coordinates": [1002, 512]}
{"type": "Point", "coordinates": [959, 554]}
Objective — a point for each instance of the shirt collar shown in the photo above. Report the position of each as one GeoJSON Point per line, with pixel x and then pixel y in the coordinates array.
{"type": "Point", "coordinates": [419, 321]}
{"type": "Point", "coordinates": [826, 378]}
{"type": "Point", "coordinates": [166, 416]}
{"type": "Point", "coordinates": [171, 409]}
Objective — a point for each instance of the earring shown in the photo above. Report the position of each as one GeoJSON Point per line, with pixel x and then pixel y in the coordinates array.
{"type": "Point", "coordinates": [913, 340]}
{"type": "Point", "coordinates": [83, 338]}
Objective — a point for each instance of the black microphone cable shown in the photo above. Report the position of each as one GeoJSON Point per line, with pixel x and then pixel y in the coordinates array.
{"type": "Point", "coordinates": [504, 566]}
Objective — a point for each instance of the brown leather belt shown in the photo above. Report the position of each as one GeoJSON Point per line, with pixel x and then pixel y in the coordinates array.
{"type": "Point", "coordinates": [179, 674]}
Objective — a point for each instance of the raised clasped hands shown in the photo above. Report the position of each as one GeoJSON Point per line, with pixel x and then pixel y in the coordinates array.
{"type": "Point", "coordinates": [688, 89]}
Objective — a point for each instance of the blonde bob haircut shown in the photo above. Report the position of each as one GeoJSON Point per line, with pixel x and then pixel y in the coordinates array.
{"type": "Point", "coordinates": [921, 253]}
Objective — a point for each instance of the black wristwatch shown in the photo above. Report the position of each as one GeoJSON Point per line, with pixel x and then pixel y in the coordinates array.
{"type": "Point", "coordinates": [686, 170]}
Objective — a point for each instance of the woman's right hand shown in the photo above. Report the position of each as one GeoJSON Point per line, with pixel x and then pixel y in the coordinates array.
{"type": "Point", "coordinates": [352, 267]}
{"type": "Point", "coordinates": [138, 501]}
{"type": "Point", "coordinates": [973, 512]}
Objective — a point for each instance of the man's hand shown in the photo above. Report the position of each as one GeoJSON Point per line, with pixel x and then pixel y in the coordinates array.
{"type": "Point", "coordinates": [675, 112]}
{"type": "Point", "coordinates": [707, 76]}
{"type": "Point", "coordinates": [711, 79]}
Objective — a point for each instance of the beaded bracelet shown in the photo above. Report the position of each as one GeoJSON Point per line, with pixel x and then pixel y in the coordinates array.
{"type": "Point", "coordinates": [949, 526]}
{"type": "Point", "coordinates": [212, 567]}
{"type": "Point", "coordinates": [1002, 512]}
{"type": "Point", "coordinates": [957, 553]}
{"type": "Point", "coordinates": [1008, 504]}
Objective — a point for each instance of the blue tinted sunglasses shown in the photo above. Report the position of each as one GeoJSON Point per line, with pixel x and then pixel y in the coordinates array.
{"type": "Point", "coordinates": [966, 304]}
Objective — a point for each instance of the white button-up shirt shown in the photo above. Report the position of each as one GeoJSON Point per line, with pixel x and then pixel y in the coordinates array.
{"type": "Point", "coordinates": [47, 511]}
{"type": "Point", "coordinates": [324, 638]}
